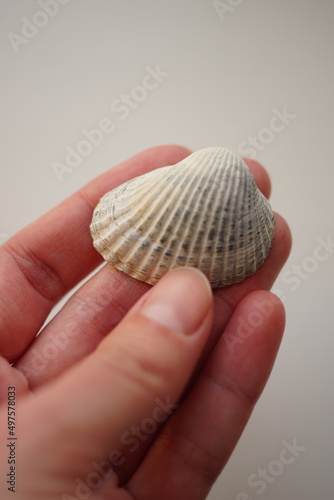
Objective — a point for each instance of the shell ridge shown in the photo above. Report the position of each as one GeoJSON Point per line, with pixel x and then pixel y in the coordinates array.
{"type": "Point", "coordinates": [244, 257]}
{"type": "Point", "coordinates": [189, 194]}
{"type": "Point", "coordinates": [219, 214]}
{"type": "Point", "coordinates": [215, 211]}
{"type": "Point", "coordinates": [230, 185]}
{"type": "Point", "coordinates": [154, 197]}
{"type": "Point", "coordinates": [203, 182]}
{"type": "Point", "coordinates": [157, 201]}
{"type": "Point", "coordinates": [210, 172]}
{"type": "Point", "coordinates": [152, 255]}
{"type": "Point", "coordinates": [267, 222]}
{"type": "Point", "coordinates": [205, 211]}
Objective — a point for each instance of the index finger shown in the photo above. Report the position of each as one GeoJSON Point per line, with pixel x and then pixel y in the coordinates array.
{"type": "Point", "coordinates": [45, 260]}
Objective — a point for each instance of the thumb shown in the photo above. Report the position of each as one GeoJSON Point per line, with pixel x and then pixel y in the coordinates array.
{"type": "Point", "coordinates": [135, 375]}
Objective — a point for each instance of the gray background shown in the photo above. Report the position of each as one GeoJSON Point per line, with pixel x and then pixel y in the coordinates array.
{"type": "Point", "coordinates": [227, 74]}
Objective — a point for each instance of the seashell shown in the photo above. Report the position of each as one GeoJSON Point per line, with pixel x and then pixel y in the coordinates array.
{"type": "Point", "coordinates": [206, 212]}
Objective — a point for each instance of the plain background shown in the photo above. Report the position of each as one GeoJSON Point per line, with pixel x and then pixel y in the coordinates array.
{"type": "Point", "coordinates": [227, 74]}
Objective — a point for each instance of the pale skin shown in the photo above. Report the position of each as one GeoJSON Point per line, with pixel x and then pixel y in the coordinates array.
{"type": "Point", "coordinates": [95, 375]}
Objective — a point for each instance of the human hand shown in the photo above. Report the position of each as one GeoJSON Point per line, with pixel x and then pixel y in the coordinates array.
{"type": "Point", "coordinates": [103, 386]}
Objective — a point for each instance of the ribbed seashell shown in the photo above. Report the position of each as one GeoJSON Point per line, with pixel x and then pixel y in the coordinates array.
{"type": "Point", "coordinates": [206, 212]}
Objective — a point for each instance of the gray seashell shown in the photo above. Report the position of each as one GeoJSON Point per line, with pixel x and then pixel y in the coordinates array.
{"type": "Point", "coordinates": [206, 212]}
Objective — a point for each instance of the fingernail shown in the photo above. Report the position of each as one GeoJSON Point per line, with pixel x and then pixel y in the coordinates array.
{"type": "Point", "coordinates": [22, 377]}
{"type": "Point", "coordinates": [180, 301]}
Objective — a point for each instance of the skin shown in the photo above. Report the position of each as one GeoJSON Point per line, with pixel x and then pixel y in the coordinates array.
{"type": "Point", "coordinates": [89, 388]}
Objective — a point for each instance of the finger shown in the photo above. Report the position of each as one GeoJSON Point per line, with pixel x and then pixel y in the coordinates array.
{"type": "Point", "coordinates": [196, 443]}
{"type": "Point", "coordinates": [226, 299]}
{"type": "Point", "coordinates": [11, 380]}
{"type": "Point", "coordinates": [46, 259]}
{"type": "Point", "coordinates": [146, 361]}
{"type": "Point", "coordinates": [88, 316]}
{"type": "Point", "coordinates": [102, 302]}
{"type": "Point", "coordinates": [109, 488]}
